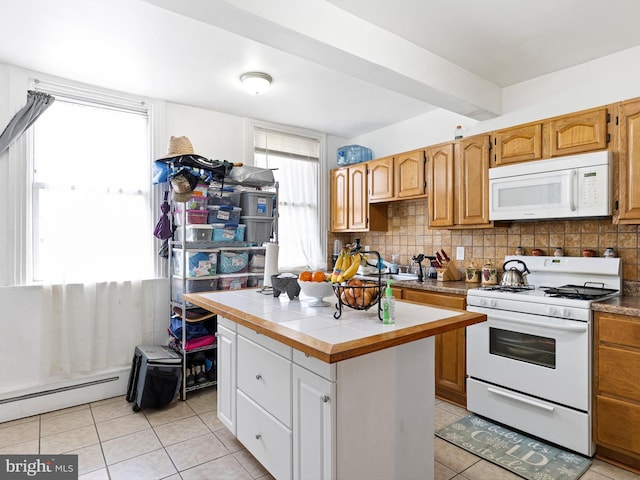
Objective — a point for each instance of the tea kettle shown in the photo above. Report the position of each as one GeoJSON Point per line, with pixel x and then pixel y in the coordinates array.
{"type": "Point", "coordinates": [514, 277]}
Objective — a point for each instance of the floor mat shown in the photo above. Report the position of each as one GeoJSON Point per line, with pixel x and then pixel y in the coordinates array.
{"type": "Point", "coordinates": [528, 457]}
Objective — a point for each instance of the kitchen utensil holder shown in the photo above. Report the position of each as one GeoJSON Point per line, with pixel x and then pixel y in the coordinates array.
{"type": "Point", "coordinates": [448, 273]}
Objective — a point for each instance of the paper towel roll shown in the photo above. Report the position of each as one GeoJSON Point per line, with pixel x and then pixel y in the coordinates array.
{"type": "Point", "coordinates": [270, 262]}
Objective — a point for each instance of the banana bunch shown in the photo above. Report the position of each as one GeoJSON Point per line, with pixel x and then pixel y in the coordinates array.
{"type": "Point", "coordinates": [346, 266]}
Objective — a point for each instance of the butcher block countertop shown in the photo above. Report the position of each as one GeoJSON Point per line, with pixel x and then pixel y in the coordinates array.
{"type": "Point", "coordinates": [315, 331]}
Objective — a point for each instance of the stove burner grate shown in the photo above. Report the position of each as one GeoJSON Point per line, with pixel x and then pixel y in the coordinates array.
{"type": "Point", "coordinates": [507, 288]}
{"type": "Point", "coordinates": [588, 291]}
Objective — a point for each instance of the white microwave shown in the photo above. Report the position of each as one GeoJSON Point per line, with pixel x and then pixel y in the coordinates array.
{"type": "Point", "coordinates": [565, 187]}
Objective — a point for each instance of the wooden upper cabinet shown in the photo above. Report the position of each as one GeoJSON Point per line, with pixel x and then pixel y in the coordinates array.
{"type": "Point", "coordinates": [409, 171]}
{"type": "Point", "coordinates": [350, 209]}
{"type": "Point", "coordinates": [380, 179]}
{"type": "Point", "coordinates": [580, 132]}
{"type": "Point", "coordinates": [517, 144]}
{"type": "Point", "coordinates": [440, 168]}
{"type": "Point", "coordinates": [358, 202]}
{"type": "Point", "coordinates": [629, 162]}
{"type": "Point", "coordinates": [339, 199]}
{"type": "Point", "coordinates": [472, 172]}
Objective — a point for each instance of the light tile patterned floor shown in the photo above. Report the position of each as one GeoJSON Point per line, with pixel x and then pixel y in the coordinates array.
{"type": "Point", "coordinates": [186, 441]}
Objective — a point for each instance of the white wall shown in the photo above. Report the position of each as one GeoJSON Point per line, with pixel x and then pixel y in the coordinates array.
{"type": "Point", "coordinates": [5, 116]}
{"type": "Point", "coordinates": [214, 135]}
{"type": "Point", "coordinates": [600, 82]}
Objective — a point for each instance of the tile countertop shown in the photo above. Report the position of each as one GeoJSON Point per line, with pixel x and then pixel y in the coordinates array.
{"type": "Point", "coordinates": [623, 305]}
{"type": "Point", "coordinates": [314, 330]}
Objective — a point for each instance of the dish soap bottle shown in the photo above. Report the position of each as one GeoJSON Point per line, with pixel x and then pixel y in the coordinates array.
{"type": "Point", "coordinates": [388, 306]}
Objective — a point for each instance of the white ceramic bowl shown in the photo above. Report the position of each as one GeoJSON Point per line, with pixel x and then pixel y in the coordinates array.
{"type": "Point", "coordinates": [316, 290]}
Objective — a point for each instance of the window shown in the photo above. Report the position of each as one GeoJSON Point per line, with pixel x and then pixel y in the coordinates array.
{"type": "Point", "coordinates": [91, 183]}
{"type": "Point", "coordinates": [296, 160]}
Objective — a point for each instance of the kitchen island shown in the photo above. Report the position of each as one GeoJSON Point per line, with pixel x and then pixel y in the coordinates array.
{"type": "Point", "coordinates": [314, 397]}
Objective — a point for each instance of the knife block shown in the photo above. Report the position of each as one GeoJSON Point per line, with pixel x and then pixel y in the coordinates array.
{"type": "Point", "coordinates": [448, 273]}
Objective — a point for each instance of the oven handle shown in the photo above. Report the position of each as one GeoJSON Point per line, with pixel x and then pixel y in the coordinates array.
{"type": "Point", "coordinates": [567, 328]}
{"type": "Point", "coordinates": [521, 399]}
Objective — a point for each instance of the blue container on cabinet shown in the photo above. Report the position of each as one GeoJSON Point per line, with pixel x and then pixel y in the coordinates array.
{"type": "Point", "coordinates": [350, 154]}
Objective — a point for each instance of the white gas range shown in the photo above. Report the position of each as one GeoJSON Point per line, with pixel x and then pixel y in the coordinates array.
{"type": "Point", "coordinates": [530, 365]}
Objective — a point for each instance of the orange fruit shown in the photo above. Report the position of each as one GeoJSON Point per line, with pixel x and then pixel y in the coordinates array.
{"type": "Point", "coordinates": [318, 277]}
{"type": "Point", "coordinates": [305, 276]}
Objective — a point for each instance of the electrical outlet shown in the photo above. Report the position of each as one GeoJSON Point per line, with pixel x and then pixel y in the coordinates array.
{"type": "Point", "coordinates": [459, 253]}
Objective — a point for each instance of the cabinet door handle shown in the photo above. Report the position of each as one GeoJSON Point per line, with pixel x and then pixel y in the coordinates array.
{"type": "Point", "coordinates": [258, 436]}
{"type": "Point", "coordinates": [258, 376]}
{"type": "Point", "coordinates": [324, 398]}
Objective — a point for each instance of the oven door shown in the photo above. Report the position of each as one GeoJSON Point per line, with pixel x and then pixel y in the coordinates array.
{"type": "Point", "coordinates": [544, 357]}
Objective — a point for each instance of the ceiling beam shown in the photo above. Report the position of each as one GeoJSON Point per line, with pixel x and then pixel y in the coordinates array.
{"type": "Point", "coordinates": [324, 34]}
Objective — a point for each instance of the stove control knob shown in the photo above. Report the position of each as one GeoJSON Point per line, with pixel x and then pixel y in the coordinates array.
{"type": "Point", "coordinates": [552, 310]}
{"type": "Point", "coordinates": [566, 312]}
{"type": "Point", "coordinates": [482, 302]}
{"type": "Point", "coordinates": [493, 303]}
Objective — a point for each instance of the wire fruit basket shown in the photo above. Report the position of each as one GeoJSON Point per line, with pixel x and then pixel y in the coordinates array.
{"type": "Point", "coordinates": [359, 294]}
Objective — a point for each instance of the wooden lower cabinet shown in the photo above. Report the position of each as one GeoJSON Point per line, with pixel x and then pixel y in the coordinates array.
{"type": "Point", "coordinates": [617, 388]}
{"type": "Point", "coordinates": [450, 347]}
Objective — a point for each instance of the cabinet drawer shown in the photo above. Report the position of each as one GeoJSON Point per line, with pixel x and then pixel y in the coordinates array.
{"type": "Point", "coordinates": [432, 298]}
{"type": "Point", "coordinates": [619, 329]}
{"type": "Point", "coordinates": [266, 438]}
{"type": "Point", "coordinates": [230, 324]}
{"type": "Point", "coordinates": [266, 342]}
{"type": "Point", "coordinates": [317, 366]}
{"type": "Point", "coordinates": [619, 372]}
{"type": "Point", "coordinates": [618, 424]}
{"type": "Point", "coordinates": [266, 378]}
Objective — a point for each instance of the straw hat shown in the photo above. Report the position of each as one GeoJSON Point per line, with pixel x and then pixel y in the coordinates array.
{"type": "Point", "coordinates": [179, 147]}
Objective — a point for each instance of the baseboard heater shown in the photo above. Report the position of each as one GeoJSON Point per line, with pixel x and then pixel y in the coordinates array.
{"type": "Point", "coordinates": [64, 394]}
{"type": "Point", "coordinates": [58, 390]}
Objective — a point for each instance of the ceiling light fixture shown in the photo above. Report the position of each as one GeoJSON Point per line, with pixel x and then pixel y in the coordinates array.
{"type": "Point", "coordinates": [256, 82]}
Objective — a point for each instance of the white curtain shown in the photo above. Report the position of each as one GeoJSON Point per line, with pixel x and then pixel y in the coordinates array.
{"type": "Point", "coordinates": [95, 326]}
{"type": "Point", "coordinates": [298, 224]}
{"type": "Point", "coordinates": [296, 164]}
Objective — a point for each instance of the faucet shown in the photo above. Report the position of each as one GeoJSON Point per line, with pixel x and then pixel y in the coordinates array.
{"type": "Point", "coordinates": [417, 259]}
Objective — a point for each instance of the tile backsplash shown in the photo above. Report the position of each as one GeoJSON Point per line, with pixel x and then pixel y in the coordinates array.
{"type": "Point", "coordinates": [409, 235]}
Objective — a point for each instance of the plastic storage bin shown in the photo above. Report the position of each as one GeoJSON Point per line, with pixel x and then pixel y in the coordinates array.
{"type": "Point", "coordinates": [350, 154]}
{"type": "Point", "coordinates": [230, 216]}
{"type": "Point", "coordinates": [232, 283]}
{"type": "Point", "coordinates": [255, 282]}
{"type": "Point", "coordinates": [197, 203]}
{"type": "Point", "coordinates": [257, 203]}
{"type": "Point", "coordinates": [193, 217]}
{"type": "Point", "coordinates": [193, 285]}
{"type": "Point", "coordinates": [233, 262]}
{"type": "Point", "coordinates": [195, 233]}
{"type": "Point", "coordinates": [256, 262]}
{"type": "Point", "coordinates": [258, 229]}
{"type": "Point", "coordinates": [224, 196]}
{"type": "Point", "coordinates": [200, 264]}
{"type": "Point", "coordinates": [224, 233]}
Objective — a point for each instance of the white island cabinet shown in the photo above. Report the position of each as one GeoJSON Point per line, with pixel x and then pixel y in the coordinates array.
{"type": "Point", "coordinates": [312, 397]}
{"type": "Point", "coordinates": [226, 355]}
